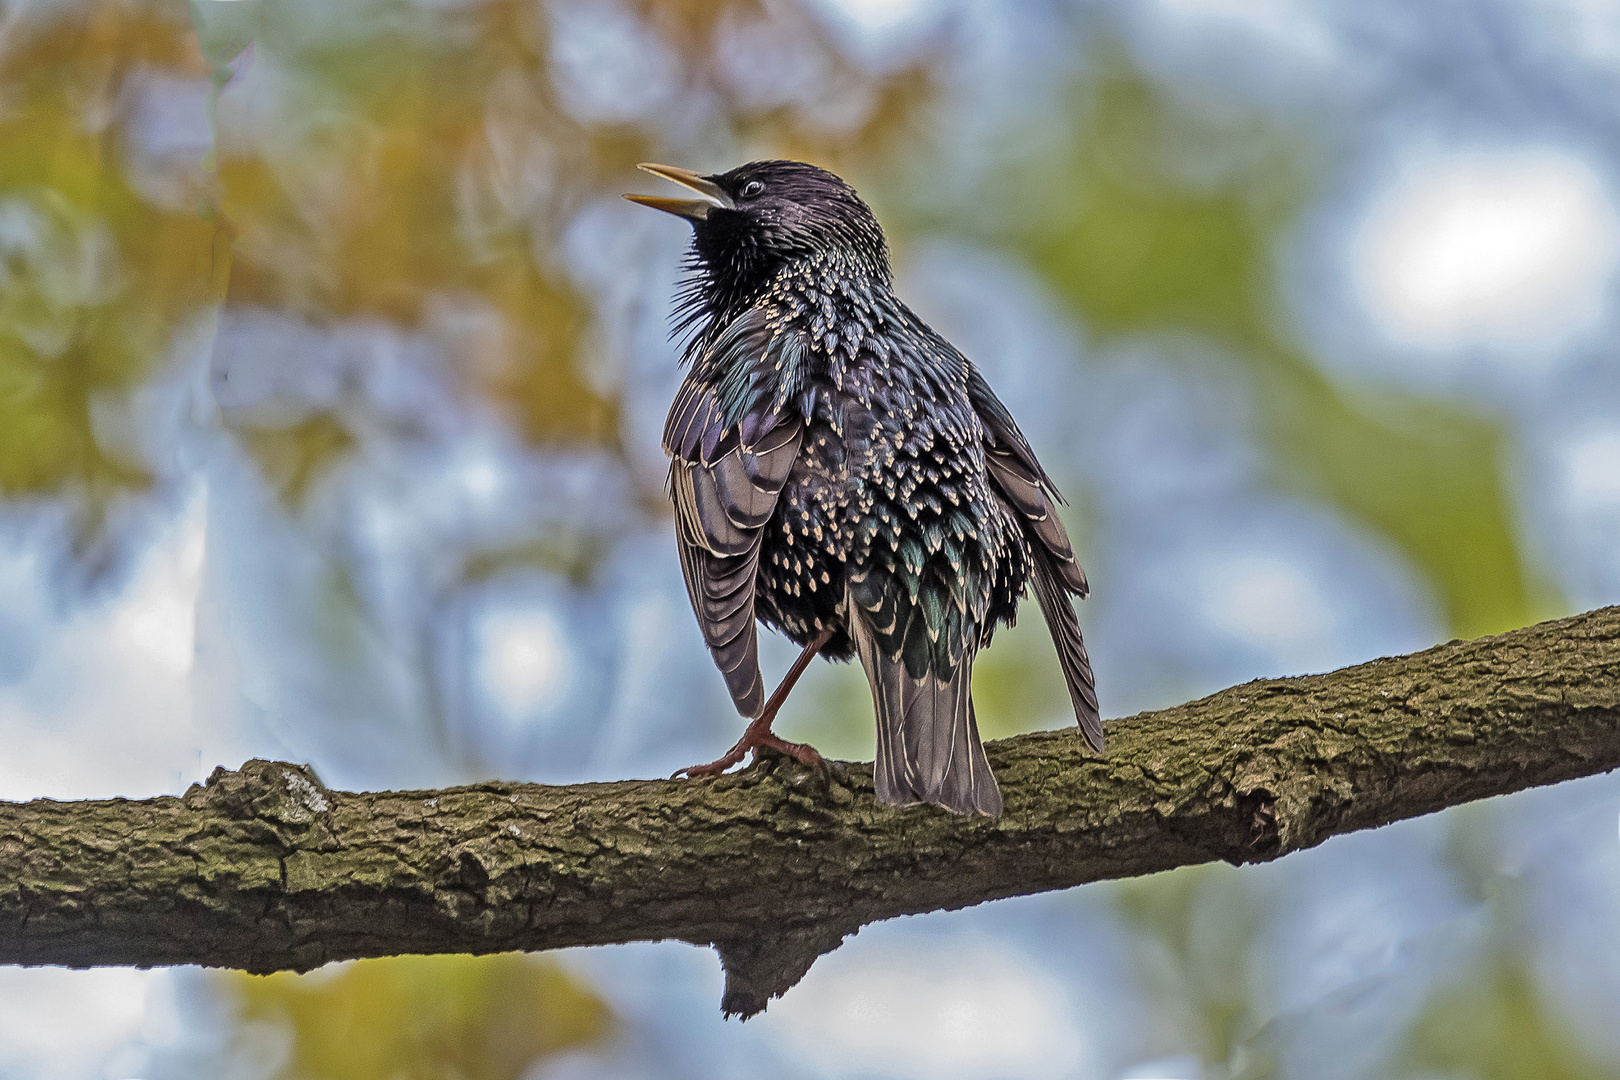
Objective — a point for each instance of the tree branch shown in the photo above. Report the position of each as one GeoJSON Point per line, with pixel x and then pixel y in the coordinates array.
{"type": "Point", "coordinates": [264, 869]}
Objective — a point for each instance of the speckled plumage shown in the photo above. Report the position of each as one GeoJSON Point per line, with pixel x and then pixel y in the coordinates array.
{"type": "Point", "coordinates": [838, 466]}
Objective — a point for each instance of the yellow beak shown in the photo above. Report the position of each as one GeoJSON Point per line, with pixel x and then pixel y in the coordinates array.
{"type": "Point", "coordinates": [691, 209]}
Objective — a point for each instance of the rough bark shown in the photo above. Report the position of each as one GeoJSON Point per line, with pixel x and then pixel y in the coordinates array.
{"type": "Point", "coordinates": [264, 869]}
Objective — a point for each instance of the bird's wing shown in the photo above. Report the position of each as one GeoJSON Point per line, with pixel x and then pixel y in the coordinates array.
{"type": "Point", "coordinates": [1026, 488]}
{"type": "Point", "coordinates": [732, 438]}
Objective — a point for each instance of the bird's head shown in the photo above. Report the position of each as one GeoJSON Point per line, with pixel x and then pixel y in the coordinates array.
{"type": "Point", "coordinates": [747, 222]}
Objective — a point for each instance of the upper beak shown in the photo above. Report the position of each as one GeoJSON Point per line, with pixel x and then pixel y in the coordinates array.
{"type": "Point", "coordinates": [691, 209]}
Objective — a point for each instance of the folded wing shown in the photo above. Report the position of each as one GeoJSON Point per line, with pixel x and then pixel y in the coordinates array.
{"type": "Point", "coordinates": [732, 440]}
{"type": "Point", "coordinates": [1026, 488]}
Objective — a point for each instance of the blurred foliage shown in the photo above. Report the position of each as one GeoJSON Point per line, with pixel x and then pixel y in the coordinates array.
{"type": "Point", "coordinates": [1495, 1026]}
{"type": "Point", "coordinates": [1196, 928]}
{"type": "Point", "coordinates": [1491, 1021]}
{"type": "Point", "coordinates": [1018, 682]}
{"type": "Point", "coordinates": [422, 1017]}
{"type": "Point", "coordinates": [1138, 239]}
{"type": "Point", "coordinates": [293, 457]}
{"type": "Point", "coordinates": [569, 554]}
{"type": "Point", "coordinates": [99, 272]}
{"type": "Point", "coordinates": [418, 172]}
{"type": "Point", "coordinates": [425, 169]}
{"type": "Point", "coordinates": [415, 166]}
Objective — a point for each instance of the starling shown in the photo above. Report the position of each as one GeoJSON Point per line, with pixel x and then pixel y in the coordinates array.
{"type": "Point", "coordinates": [842, 473]}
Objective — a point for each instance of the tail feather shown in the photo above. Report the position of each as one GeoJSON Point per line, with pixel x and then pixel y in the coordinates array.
{"type": "Point", "coordinates": [1071, 647]}
{"type": "Point", "coordinates": [928, 747]}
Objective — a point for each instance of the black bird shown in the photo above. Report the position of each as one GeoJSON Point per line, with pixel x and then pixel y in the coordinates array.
{"type": "Point", "coordinates": [842, 473]}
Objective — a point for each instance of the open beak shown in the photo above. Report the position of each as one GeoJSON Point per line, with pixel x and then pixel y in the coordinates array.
{"type": "Point", "coordinates": [691, 209]}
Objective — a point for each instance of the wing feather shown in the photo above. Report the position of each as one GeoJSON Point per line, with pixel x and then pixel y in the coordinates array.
{"type": "Point", "coordinates": [747, 505]}
{"type": "Point", "coordinates": [732, 454]}
{"type": "Point", "coordinates": [1071, 649]}
{"type": "Point", "coordinates": [1039, 515]}
{"type": "Point", "coordinates": [1029, 492]}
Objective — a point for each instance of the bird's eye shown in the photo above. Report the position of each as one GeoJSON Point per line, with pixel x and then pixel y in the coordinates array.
{"type": "Point", "coordinates": [752, 188]}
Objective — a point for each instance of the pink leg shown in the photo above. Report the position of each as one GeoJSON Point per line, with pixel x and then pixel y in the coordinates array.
{"type": "Point", "coordinates": [758, 733]}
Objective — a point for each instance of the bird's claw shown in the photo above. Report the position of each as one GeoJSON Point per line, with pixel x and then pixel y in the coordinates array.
{"type": "Point", "coordinates": [749, 744]}
{"type": "Point", "coordinates": [803, 753]}
{"type": "Point", "coordinates": [718, 765]}
{"type": "Point", "coordinates": [713, 768]}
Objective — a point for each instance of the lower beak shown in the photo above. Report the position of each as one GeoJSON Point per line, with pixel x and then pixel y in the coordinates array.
{"type": "Point", "coordinates": [691, 209]}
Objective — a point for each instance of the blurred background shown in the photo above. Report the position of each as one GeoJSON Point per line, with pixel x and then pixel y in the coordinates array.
{"type": "Point", "coordinates": [332, 374]}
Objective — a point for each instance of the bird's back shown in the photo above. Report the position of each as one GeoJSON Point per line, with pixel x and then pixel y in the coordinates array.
{"type": "Point", "coordinates": [890, 477]}
{"type": "Point", "coordinates": [890, 532]}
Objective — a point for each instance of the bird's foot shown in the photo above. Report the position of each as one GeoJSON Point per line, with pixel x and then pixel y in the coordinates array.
{"type": "Point", "coordinates": [751, 743]}
{"type": "Point", "coordinates": [803, 753]}
{"type": "Point", "coordinates": [758, 734]}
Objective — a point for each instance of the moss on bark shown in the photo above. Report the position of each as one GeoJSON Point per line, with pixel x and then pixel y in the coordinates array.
{"type": "Point", "coordinates": [264, 869]}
